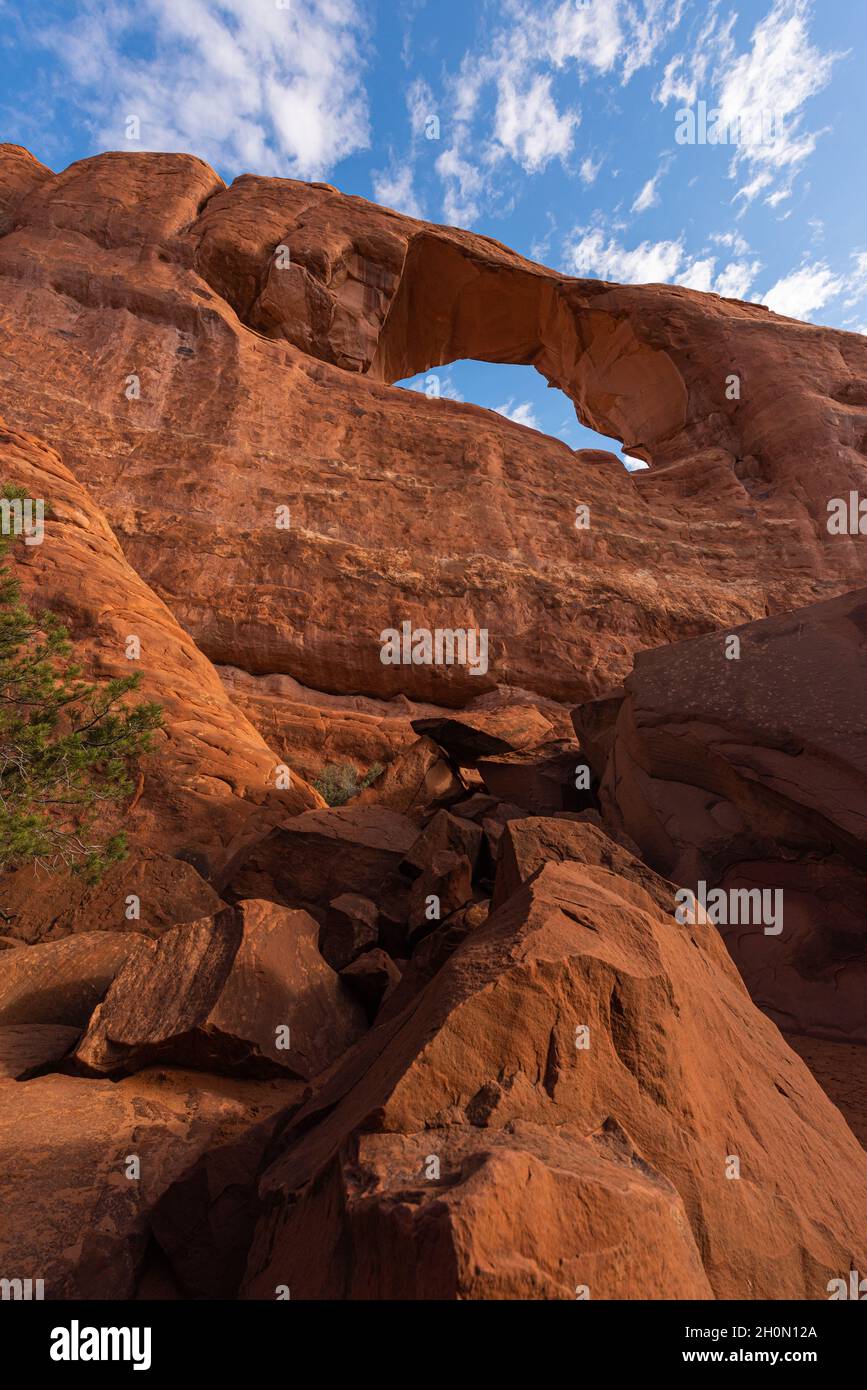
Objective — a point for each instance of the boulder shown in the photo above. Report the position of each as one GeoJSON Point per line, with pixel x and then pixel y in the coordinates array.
{"type": "Point", "coordinates": [448, 878]}
{"type": "Point", "coordinates": [317, 856]}
{"type": "Point", "coordinates": [442, 832]}
{"type": "Point", "coordinates": [245, 992]}
{"type": "Point", "coordinates": [61, 982]}
{"type": "Point", "coordinates": [147, 892]}
{"type": "Point", "coordinates": [594, 723]}
{"type": "Point", "coordinates": [747, 775]}
{"type": "Point", "coordinates": [27, 1048]}
{"type": "Point", "coordinates": [542, 781]}
{"type": "Point", "coordinates": [84, 1162]}
{"type": "Point", "coordinates": [351, 927]}
{"type": "Point", "coordinates": [527, 844]}
{"type": "Point", "coordinates": [590, 1053]}
{"type": "Point", "coordinates": [467, 737]}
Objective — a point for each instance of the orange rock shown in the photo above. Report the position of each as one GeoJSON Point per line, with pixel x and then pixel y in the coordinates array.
{"type": "Point", "coordinates": [145, 265]}
{"type": "Point", "coordinates": [27, 1048]}
{"type": "Point", "coordinates": [529, 843]}
{"type": "Point", "coordinates": [747, 775]}
{"type": "Point", "coordinates": [245, 992]}
{"type": "Point", "coordinates": [75, 1211]}
{"type": "Point", "coordinates": [315, 857]}
{"type": "Point", "coordinates": [61, 982]}
{"type": "Point", "coordinates": [211, 778]}
{"type": "Point", "coordinates": [146, 893]}
{"type": "Point", "coordinates": [683, 1084]}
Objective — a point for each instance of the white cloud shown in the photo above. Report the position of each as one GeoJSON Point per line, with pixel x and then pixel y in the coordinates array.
{"type": "Point", "coordinates": [248, 87]}
{"type": "Point", "coordinates": [760, 94]}
{"type": "Point", "coordinates": [528, 124]}
{"type": "Point", "coordinates": [393, 187]}
{"type": "Point", "coordinates": [525, 122]}
{"type": "Point", "coordinates": [595, 255]}
{"type": "Point", "coordinates": [801, 293]}
{"type": "Point", "coordinates": [733, 241]}
{"type": "Point", "coordinates": [464, 187]}
{"type": "Point", "coordinates": [447, 388]}
{"type": "Point", "coordinates": [596, 252]}
{"type": "Point", "coordinates": [648, 197]}
{"type": "Point", "coordinates": [698, 275]}
{"type": "Point", "coordinates": [767, 87]}
{"type": "Point", "coordinates": [588, 170]}
{"type": "Point", "coordinates": [735, 280]}
{"type": "Point", "coordinates": [421, 104]}
{"type": "Point", "coordinates": [522, 414]}
{"type": "Point", "coordinates": [589, 34]}
{"type": "Point", "coordinates": [857, 285]}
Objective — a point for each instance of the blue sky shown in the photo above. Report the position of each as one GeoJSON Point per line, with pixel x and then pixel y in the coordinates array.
{"type": "Point", "coordinates": [552, 127]}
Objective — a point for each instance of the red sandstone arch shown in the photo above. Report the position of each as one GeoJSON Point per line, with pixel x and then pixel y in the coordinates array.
{"type": "Point", "coordinates": [449, 304]}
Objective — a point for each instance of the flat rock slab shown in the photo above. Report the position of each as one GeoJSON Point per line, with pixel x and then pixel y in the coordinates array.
{"type": "Point", "coordinates": [27, 1047]}
{"type": "Point", "coordinates": [246, 992]}
{"type": "Point", "coordinates": [320, 855]}
{"type": "Point", "coordinates": [62, 981]}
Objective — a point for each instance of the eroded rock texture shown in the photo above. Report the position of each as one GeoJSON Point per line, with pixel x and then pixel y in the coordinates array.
{"type": "Point", "coordinates": [750, 773]}
{"type": "Point", "coordinates": [450, 1039]}
{"type": "Point", "coordinates": [263, 387]}
{"type": "Point", "coordinates": [478, 1092]}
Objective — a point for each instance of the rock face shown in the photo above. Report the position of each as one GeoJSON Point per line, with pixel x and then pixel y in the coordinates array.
{"type": "Point", "coordinates": [211, 773]}
{"type": "Point", "coordinates": [75, 1209]}
{"type": "Point", "coordinates": [478, 1091]}
{"type": "Point", "coordinates": [152, 254]}
{"type": "Point", "coordinates": [749, 774]}
{"type": "Point", "coordinates": [476, 1033]}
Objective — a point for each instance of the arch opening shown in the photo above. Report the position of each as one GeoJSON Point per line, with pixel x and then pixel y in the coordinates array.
{"type": "Point", "coordinates": [452, 305]}
{"type": "Point", "coordinates": [520, 393]}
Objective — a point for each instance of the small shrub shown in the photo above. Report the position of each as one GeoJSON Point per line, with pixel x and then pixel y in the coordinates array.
{"type": "Point", "coordinates": [67, 745]}
{"type": "Point", "coordinates": [340, 782]}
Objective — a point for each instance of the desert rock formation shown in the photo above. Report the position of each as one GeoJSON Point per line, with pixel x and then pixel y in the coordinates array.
{"type": "Point", "coordinates": [451, 1036]}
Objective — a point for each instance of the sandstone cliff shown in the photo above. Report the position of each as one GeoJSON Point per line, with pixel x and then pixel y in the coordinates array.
{"type": "Point", "coordinates": [453, 1039]}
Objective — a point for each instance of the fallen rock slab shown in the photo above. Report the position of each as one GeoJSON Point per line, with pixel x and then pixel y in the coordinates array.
{"type": "Point", "coordinates": [61, 982]}
{"type": "Point", "coordinates": [146, 893]}
{"type": "Point", "coordinates": [527, 844]}
{"type": "Point", "coordinates": [465, 738]}
{"type": "Point", "coordinates": [319, 855]}
{"type": "Point", "coordinates": [245, 992]}
{"type": "Point", "coordinates": [542, 781]}
{"type": "Point", "coordinates": [83, 1163]}
{"type": "Point", "coordinates": [26, 1048]}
